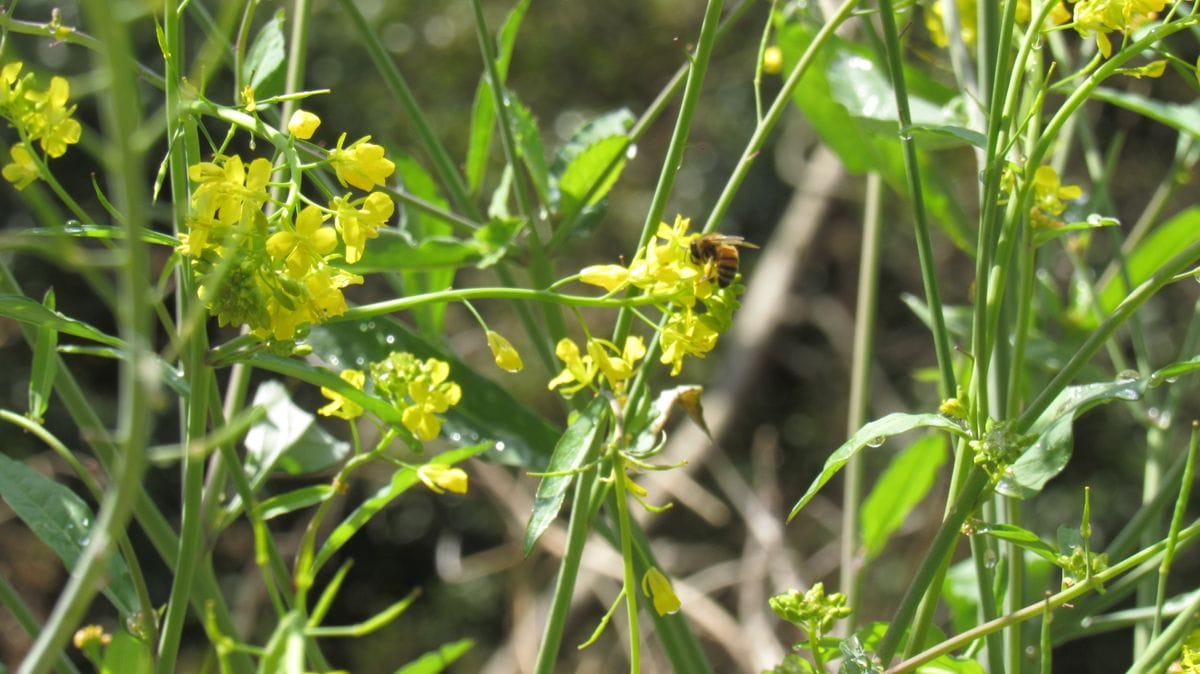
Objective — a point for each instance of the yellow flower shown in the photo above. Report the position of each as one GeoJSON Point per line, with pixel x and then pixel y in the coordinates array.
{"type": "Point", "coordinates": [248, 98]}
{"type": "Point", "coordinates": [341, 406]}
{"type": "Point", "coordinates": [361, 165]}
{"type": "Point", "coordinates": [431, 395]}
{"type": "Point", "coordinates": [50, 122]}
{"type": "Point", "coordinates": [578, 372]}
{"type": "Point", "coordinates": [1048, 192]}
{"type": "Point", "coordinates": [685, 334]}
{"type": "Point", "coordinates": [22, 171]}
{"type": "Point", "coordinates": [359, 225]}
{"type": "Point", "coordinates": [772, 60]}
{"type": "Point", "coordinates": [325, 293]}
{"type": "Point", "coordinates": [309, 242]}
{"type": "Point", "coordinates": [230, 190]}
{"type": "Point", "coordinates": [1058, 16]}
{"type": "Point", "coordinates": [441, 478]}
{"type": "Point", "coordinates": [303, 124]}
{"type": "Point", "coordinates": [506, 356]}
{"type": "Point", "coordinates": [12, 93]}
{"type": "Point", "coordinates": [616, 369]}
{"type": "Point", "coordinates": [935, 24]}
{"type": "Point", "coordinates": [656, 586]}
{"type": "Point", "coordinates": [611, 277]}
{"type": "Point", "coordinates": [1099, 17]}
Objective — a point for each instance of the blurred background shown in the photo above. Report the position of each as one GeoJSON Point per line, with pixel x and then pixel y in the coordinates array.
{"type": "Point", "coordinates": [776, 388]}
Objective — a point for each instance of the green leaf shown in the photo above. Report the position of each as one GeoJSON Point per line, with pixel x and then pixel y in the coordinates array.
{"type": "Point", "coordinates": [573, 449]}
{"type": "Point", "coordinates": [170, 376]}
{"type": "Point", "coordinates": [76, 230]}
{"type": "Point", "coordinates": [1163, 243]}
{"type": "Point", "coordinates": [394, 250]}
{"type": "Point", "coordinates": [874, 434]}
{"type": "Point", "coordinates": [1182, 118]}
{"type": "Point", "coordinates": [486, 413]}
{"type": "Point", "coordinates": [45, 364]}
{"type": "Point", "coordinates": [1042, 235]}
{"type": "Point", "coordinates": [901, 487]}
{"type": "Point", "coordinates": [297, 499]}
{"type": "Point", "coordinates": [495, 238]}
{"type": "Point", "coordinates": [947, 664]}
{"type": "Point", "coordinates": [61, 520]}
{"type": "Point", "coordinates": [1022, 538]}
{"type": "Point", "coordinates": [263, 68]}
{"type": "Point", "coordinates": [1169, 373]}
{"type": "Point", "coordinates": [435, 662]}
{"type": "Point", "coordinates": [529, 145]}
{"type": "Point", "coordinates": [319, 376]}
{"type": "Point", "coordinates": [287, 438]}
{"type": "Point", "coordinates": [26, 310]}
{"type": "Point", "coordinates": [483, 111]}
{"type": "Point", "coordinates": [127, 655]}
{"type": "Point", "coordinates": [590, 176]}
{"type": "Point", "coordinates": [421, 226]}
{"type": "Point", "coordinates": [1049, 454]}
{"type": "Point", "coordinates": [401, 480]}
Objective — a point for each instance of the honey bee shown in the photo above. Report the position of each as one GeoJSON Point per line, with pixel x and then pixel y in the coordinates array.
{"type": "Point", "coordinates": [722, 250]}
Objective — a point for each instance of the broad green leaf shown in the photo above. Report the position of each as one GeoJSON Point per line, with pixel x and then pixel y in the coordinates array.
{"type": "Point", "coordinates": [873, 434]}
{"type": "Point", "coordinates": [1184, 118]}
{"type": "Point", "coordinates": [529, 144]}
{"type": "Point", "coordinates": [1051, 451]}
{"type": "Point", "coordinates": [574, 447]}
{"type": "Point", "coordinates": [901, 487]}
{"type": "Point", "coordinates": [287, 438]}
{"type": "Point", "coordinates": [435, 662]}
{"type": "Point", "coordinates": [862, 143]}
{"type": "Point", "coordinates": [45, 364]}
{"type": "Point", "coordinates": [127, 655]}
{"type": "Point", "coordinates": [862, 86]}
{"type": "Point", "coordinates": [401, 480]}
{"type": "Point", "coordinates": [394, 251]}
{"type": "Point", "coordinates": [1022, 538]}
{"type": "Point", "coordinates": [263, 68]}
{"type": "Point", "coordinates": [1160, 245]}
{"type": "Point", "coordinates": [28, 311]}
{"type": "Point", "coordinates": [284, 653]}
{"type": "Point", "coordinates": [947, 664]}
{"type": "Point", "coordinates": [589, 177]}
{"type": "Point", "coordinates": [297, 499]}
{"type": "Point", "coordinates": [421, 226]}
{"type": "Point", "coordinates": [483, 111]}
{"type": "Point", "coordinates": [61, 520]}
{"type": "Point", "coordinates": [486, 413]}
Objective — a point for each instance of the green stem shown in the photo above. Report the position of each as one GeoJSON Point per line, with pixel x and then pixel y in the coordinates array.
{"type": "Point", "coordinates": [1185, 488]}
{"type": "Point", "coordinates": [11, 600]}
{"type": "Point", "coordinates": [458, 294]}
{"type": "Point", "coordinates": [568, 570]}
{"type": "Point", "coordinates": [1033, 610]}
{"type": "Point", "coordinates": [981, 551]}
{"type": "Point", "coordinates": [120, 117]}
{"type": "Point", "coordinates": [860, 380]}
{"type": "Point", "coordinates": [631, 585]}
{"type": "Point", "coordinates": [941, 338]}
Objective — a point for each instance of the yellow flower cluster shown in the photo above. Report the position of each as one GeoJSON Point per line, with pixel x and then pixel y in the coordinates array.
{"type": "Point", "coordinates": [1048, 195]}
{"type": "Point", "coordinates": [419, 389]}
{"type": "Point", "coordinates": [273, 272]}
{"type": "Point", "coordinates": [603, 359]}
{"type": "Point", "coordinates": [1100, 17]}
{"type": "Point", "coordinates": [698, 308]}
{"type": "Point", "coordinates": [39, 115]}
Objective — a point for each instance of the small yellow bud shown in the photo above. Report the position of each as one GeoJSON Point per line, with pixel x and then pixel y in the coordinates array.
{"type": "Point", "coordinates": [248, 98]}
{"type": "Point", "coordinates": [506, 356]}
{"type": "Point", "coordinates": [656, 586]}
{"type": "Point", "coordinates": [303, 124]}
{"type": "Point", "coordinates": [441, 478]}
{"type": "Point", "coordinates": [90, 636]}
{"type": "Point", "coordinates": [772, 60]}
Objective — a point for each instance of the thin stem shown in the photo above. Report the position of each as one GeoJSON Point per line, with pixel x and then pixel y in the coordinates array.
{"type": "Point", "coordinates": [631, 585]}
{"type": "Point", "coordinates": [459, 294]}
{"type": "Point", "coordinates": [865, 311]}
{"type": "Point", "coordinates": [1185, 488]}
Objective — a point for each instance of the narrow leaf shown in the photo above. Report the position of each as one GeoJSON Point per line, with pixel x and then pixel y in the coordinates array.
{"type": "Point", "coordinates": [1160, 245]}
{"type": "Point", "coordinates": [284, 653]}
{"type": "Point", "coordinates": [529, 144]}
{"type": "Point", "coordinates": [61, 520]}
{"type": "Point", "coordinates": [45, 364]}
{"type": "Point", "coordinates": [98, 232]}
{"type": "Point", "coordinates": [590, 176]}
{"type": "Point", "coordinates": [572, 450]}
{"type": "Point", "coordinates": [874, 433]}
{"type": "Point", "coordinates": [297, 499]}
{"type": "Point", "coordinates": [23, 309]}
{"type": "Point", "coordinates": [435, 662]}
{"type": "Point", "coordinates": [483, 111]}
{"type": "Point", "coordinates": [1022, 538]}
{"type": "Point", "coordinates": [265, 59]}
{"type": "Point", "coordinates": [901, 487]}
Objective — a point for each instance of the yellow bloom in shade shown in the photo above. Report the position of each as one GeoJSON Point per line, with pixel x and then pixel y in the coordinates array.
{"type": "Point", "coordinates": [309, 243]}
{"type": "Point", "coordinates": [656, 586]}
{"type": "Point", "coordinates": [90, 635]}
{"type": "Point", "coordinates": [22, 171]}
{"type": "Point", "coordinates": [1048, 191]}
{"type": "Point", "coordinates": [341, 406]}
{"type": "Point", "coordinates": [431, 395]}
{"type": "Point", "coordinates": [685, 334]}
{"type": "Point", "coordinates": [578, 372]}
{"type": "Point", "coordinates": [358, 225]}
{"type": "Point", "coordinates": [611, 277]}
{"type": "Point", "coordinates": [772, 60]}
{"type": "Point", "coordinates": [303, 124]}
{"type": "Point", "coordinates": [441, 478]}
{"type": "Point", "coordinates": [936, 25]}
{"type": "Point", "coordinates": [51, 123]}
{"type": "Point", "coordinates": [361, 165]}
{"type": "Point", "coordinates": [506, 356]}
{"type": "Point", "coordinates": [616, 368]}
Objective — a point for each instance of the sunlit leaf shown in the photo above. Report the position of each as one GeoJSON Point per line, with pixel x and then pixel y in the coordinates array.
{"type": "Point", "coordinates": [297, 499]}
{"type": "Point", "coordinates": [1022, 538]}
{"type": "Point", "coordinates": [435, 662]}
{"type": "Point", "coordinates": [483, 110]}
{"type": "Point", "coordinates": [902, 486]}
{"type": "Point", "coordinates": [127, 655]}
{"type": "Point", "coordinates": [288, 438]}
{"type": "Point", "coordinates": [23, 309]}
{"type": "Point", "coordinates": [263, 67]}
{"type": "Point", "coordinates": [1163, 243]}
{"type": "Point", "coordinates": [45, 364]}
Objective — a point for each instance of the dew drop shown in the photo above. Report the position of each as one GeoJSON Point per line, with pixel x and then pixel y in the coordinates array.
{"type": "Point", "coordinates": [370, 325]}
{"type": "Point", "coordinates": [362, 327]}
{"type": "Point", "coordinates": [83, 542]}
{"type": "Point", "coordinates": [360, 361]}
{"type": "Point", "coordinates": [631, 152]}
{"type": "Point", "coordinates": [455, 437]}
{"type": "Point", "coordinates": [1127, 375]}
{"type": "Point", "coordinates": [876, 441]}
{"type": "Point", "coordinates": [500, 447]}
{"type": "Point", "coordinates": [333, 360]}
{"type": "Point", "coordinates": [390, 339]}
